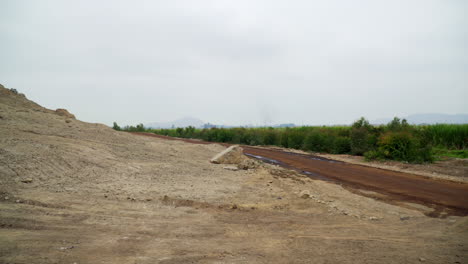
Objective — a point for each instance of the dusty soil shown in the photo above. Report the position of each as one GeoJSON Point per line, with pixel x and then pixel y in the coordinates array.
{"type": "Point", "coordinates": [396, 185]}
{"type": "Point", "coordinates": [74, 192]}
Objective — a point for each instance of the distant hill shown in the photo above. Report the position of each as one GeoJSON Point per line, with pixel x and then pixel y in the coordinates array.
{"type": "Point", "coordinates": [197, 123]}
{"type": "Point", "coordinates": [183, 122]}
{"type": "Point", "coordinates": [285, 125]}
{"type": "Point", "coordinates": [429, 118]}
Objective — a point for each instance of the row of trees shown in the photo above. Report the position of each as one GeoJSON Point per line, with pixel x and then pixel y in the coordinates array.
{"type": "Point", "coordinates": [396, 141]}
{"type": "Point", "coordinates": [137, 128]}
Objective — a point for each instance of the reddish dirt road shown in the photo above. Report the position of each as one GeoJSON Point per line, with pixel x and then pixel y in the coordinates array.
{"type": "Point", "coordinates": [444, 196]}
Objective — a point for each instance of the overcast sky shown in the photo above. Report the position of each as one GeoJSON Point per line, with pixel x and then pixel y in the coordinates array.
{"type": "Point", "coordinates": [237, 62]}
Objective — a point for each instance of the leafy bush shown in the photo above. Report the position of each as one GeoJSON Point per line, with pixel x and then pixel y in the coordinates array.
{"type": "Point", "coordinates": [402, 146]}
{"type": "Point", "coordinates": [361, 137]}
{"type": "Point", "coordinates": [318, 141]}
{"type": "Point", "coordinates": [284, 139]}
{"type": "Point", "coordinates": [341, 145]}
{"type": "Point", "coordinates": [397, 125]}
{"type": "Point", "coordinates": [373, 155]}
{"type": "Point", "coordinates": [361, 123]}
{"type": "Point", "coordinates": [360, 141]}
{"type": "Point", "coordinates": [295, 139]}
{"type": "Point", "coordinates": [138, 128]}
{"type": "Point", "coordinates": [270, 136]}
{"type": "Point", "coordinates": [116, 127]}
{"type": "Point", "coordinates": [443, 153]}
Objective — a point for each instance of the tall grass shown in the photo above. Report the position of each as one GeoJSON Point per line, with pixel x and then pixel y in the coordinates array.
{"type": "Point", "coordinates": [448, 136]}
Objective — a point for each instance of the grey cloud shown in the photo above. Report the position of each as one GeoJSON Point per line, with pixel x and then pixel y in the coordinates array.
{"type": "Point", "coordinates": [237, 62]}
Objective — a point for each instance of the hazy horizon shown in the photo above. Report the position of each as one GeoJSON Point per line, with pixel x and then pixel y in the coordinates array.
{"type": "Point", "coordinates": [237, 62]}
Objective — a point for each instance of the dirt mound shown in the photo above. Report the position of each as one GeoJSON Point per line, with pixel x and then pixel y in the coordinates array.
{"type": "Point", "coordinates": [65, 113]}
{"type": "Point", "coordinates": [51, 150]}
{"type": "Point", "coordinates": [247, 164]}
{"type": "Point", "coordinates": [232, 155]}
{"type": "Point", "coordinates": [12, 98]}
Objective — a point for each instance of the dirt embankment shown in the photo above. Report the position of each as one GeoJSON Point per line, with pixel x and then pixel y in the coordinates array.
{"type": "Point", "coordinates": [74, 192]}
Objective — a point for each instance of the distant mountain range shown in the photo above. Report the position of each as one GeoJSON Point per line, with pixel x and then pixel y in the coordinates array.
{"type": "Point", "coordinates": [429, 118]}
{"type": "Point", "coordinates": [417, 119]}
{"type": "Point", "coordinates": [182, 122]}
{"type": "Point", "coordinates": [197, 123]}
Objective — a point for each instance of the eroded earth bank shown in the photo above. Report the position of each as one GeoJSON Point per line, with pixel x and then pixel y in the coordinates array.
{"type": "Point", "coordinates": [75, 192]}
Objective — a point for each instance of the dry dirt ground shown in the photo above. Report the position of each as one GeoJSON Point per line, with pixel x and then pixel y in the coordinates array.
{"type": "Point", "coordinates": [451, 169]}
{"type": "Point", "coordinates": [74, 192]}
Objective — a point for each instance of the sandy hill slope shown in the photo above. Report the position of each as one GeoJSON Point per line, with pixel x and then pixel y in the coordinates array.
{"type": "Point", "coordinates": [75, 192]}
{"type": "Point", "coordinates": [58, 152]}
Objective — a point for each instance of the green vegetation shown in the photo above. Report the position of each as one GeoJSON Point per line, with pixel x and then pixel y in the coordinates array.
{"type": "Point", "coordinates": [441, 153]}
{"type": "Point", "coordinates": [448, 136]}
{"type": "Point", "coordinates": [116, 127]}
{"type": "Point", "coordinates": [395, 141]}
{"type": "Point", "coordinates": [137, 128]}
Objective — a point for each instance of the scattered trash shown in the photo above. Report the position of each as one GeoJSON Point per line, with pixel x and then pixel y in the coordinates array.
{"type": "Point", "coordinates": [66, 248]}
{"type": "Point", "coordinates": [231, 168]}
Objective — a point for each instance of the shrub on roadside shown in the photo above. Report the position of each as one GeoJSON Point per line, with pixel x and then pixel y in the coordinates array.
{"type": "Point", "coordinates": [270, 136]}
{"type": "Point", "coordinates": [295, 139]}
{"type": "Point", "coordinates": [315, 141]}
{"type": "Point", "coordinates": [319, 141]}
{"type": "Point", "coordinates": [116, 127]}
{"type": "Point", "coordinates": [397, 124]}
{"type": "Point", "coordinates": [373, 155]}
{"type": "Point", "coordinates": [341, 145]}
{"type": "Point", "coordinates": [360, 141]}
{"type": "Point", "coordinates": [361, 137]}
{"type": "Point", "coordinates": [284, 138]}
{"type": "Point", "coordinates": [401, 146]}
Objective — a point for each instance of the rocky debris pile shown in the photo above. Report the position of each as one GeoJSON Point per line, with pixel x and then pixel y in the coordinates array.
{"type": "Point", "coordinates": [247, 164]}
{"type": "Point", "coordinates": [232, 155]}
{"type": "Point", "coordinates": [235, 155]}
{"type": "Point", "coordinates": [11, 92]}
{"type": "Point", "coordinates": [11, 98]}
{"type": "Point", "coordinates": [231, 168]}
{"type": "Point", "coordinates": [65, 113]}
{"type": "Point", "coordinates": [305, 194]}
